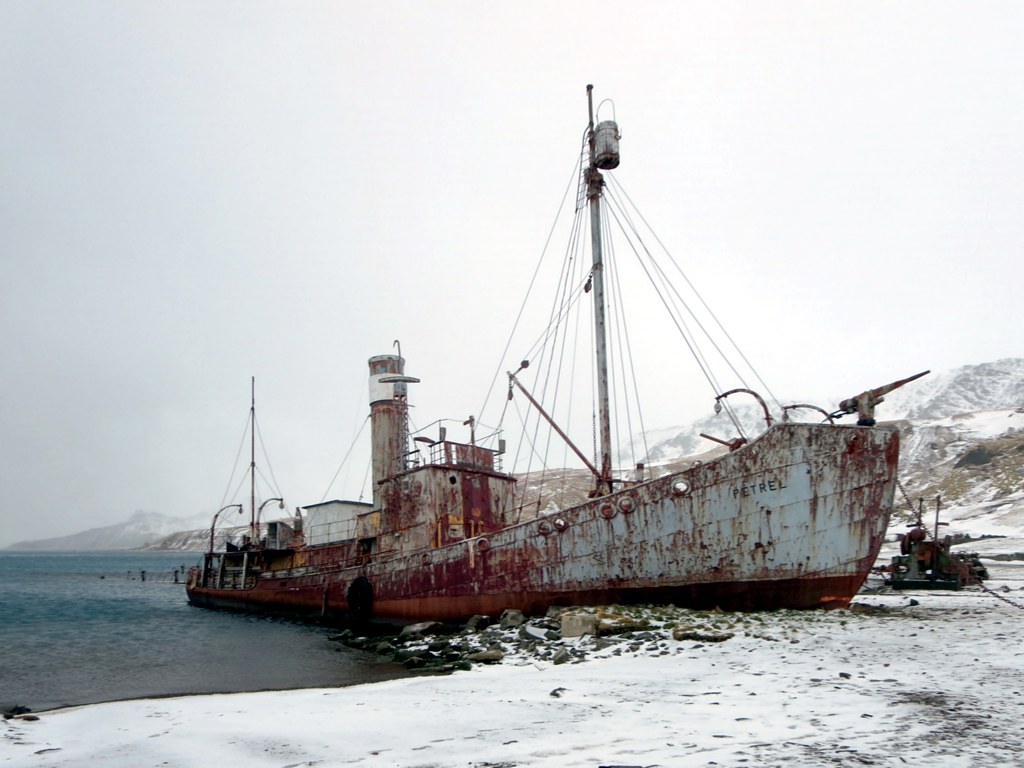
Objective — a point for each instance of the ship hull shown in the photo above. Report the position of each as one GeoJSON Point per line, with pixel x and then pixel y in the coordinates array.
{"type": "Point", "coordinates": [794, 519]}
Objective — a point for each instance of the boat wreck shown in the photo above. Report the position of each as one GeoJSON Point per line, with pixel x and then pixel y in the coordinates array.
{"type": "Point", "coordinates": [792, 518]}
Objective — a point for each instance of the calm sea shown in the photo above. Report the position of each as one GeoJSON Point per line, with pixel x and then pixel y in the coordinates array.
{"type": "Point", "coordinates": [83, 627]}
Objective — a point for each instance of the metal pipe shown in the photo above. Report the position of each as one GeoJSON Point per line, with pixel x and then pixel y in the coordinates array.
{"type": "Point", "coordinates": [214, 523]}
{"type": "Point", "coordinates": [252, 465]}
{"type": "Point", "coordinates": [554, 426]}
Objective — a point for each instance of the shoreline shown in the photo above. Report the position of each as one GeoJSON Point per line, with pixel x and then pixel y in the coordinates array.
{"type": "Point", "coordinates": [939, 681]}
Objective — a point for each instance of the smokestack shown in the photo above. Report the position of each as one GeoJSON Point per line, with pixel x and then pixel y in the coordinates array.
{"type": "Point", "coordinates": [388, 412]}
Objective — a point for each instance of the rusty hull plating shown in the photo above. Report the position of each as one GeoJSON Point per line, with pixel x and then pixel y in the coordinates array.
{"type": "Point", "coordinates": [794, 519]}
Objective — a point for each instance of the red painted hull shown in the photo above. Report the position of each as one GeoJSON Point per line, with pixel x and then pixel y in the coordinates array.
{"type": "Point", "coordinates": [795, 519]}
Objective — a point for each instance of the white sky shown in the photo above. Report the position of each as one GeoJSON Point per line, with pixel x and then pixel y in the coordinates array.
{"type": "Point", "coordinates": [193, 193]}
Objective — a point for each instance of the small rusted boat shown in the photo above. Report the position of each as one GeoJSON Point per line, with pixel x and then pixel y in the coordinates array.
{"type": "Point", "coordinates": [792, 518]}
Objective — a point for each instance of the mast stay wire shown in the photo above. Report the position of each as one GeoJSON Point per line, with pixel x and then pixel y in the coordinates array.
{"type": "Point", "coordinates": [273, 480]}
{"type": "Point", "coordinates": [671, 308]}
{"type": "Point", "coordinates": [575, 255]}
{"type": "Point", "coordinates": [366, 477]}
{"type": "Point", "coordinates": [238, 456]}
{"type": "Point", "coordinates": [700, 298]}
{"type": "Point", "coordinates": [565, 298]}
{"type": "Point", "coordinates": [533, 279]}
{"type": "Point", "coordinates": [357, 410]}
{"type": "Point", "coordinates": [578, 318]}
{"type": "Point", "coordinates": [532, 448]}
{"type": "Point", "coordinates": [570, 311]}
{"type": "Point", "coordinates": [624, 344]}
{"type": "Point", "coordinates": [543, 375]}
{"type": "Point", "coordinates": [555, 361]}
{"type": "Point", "coordinates": [566, 311]}
{"type": "Point", "coordinates": [688, 337]}
{"type": "Point", "coordinates": [269, 482]}
{"type": "Point", "coordinates": [238, 488]}
{"type": "Point", "coordinates": [348, 453]}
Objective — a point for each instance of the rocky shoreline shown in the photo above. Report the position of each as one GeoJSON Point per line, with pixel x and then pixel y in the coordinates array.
{"type": "Point", "coordinates": [562, 635]}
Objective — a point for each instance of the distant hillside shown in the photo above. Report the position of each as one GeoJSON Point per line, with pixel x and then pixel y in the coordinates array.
{"type": "Point", "coordinates": [198, 540]}
{"type": "Point", "coordinates": [970, 388]}
{"type": "Point", "coordinates": [140, 529]}
{"type": "Point", "coordinates": [974, 461]}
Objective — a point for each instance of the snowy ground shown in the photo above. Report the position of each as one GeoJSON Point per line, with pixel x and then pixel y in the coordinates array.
{"type": "Point", "coordinates": [940, 683]}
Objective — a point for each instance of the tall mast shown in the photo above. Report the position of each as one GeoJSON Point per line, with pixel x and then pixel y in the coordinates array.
{"type": "Point", "coordinates": [253, 533]}
{"type": "Point", "coordinates": [595, 184]}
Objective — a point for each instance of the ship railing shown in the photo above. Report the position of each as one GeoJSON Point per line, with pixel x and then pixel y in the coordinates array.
{"type": "Point", "coordinates": [330, 532]}
{"type": "Point", "coordinates": [409, 460]}
{"type": "Point", "coordinates": [305, 570]}
{"type": "Point", "coordinates": [462, 455]}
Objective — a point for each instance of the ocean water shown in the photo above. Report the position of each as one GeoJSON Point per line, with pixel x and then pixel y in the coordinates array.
{"type": "Point", "coordinates": [84, 627]}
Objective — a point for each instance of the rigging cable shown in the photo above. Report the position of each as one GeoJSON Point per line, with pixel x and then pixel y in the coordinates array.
{"type": "Point", "coordinates": [366, 476]}
{"type": "Point", "coordinates": [238, 488]}
{"type": "Point", "coordinates": [550, 337]}
{"type": "Point", "coordinates": [539, 481]}
{"type": "Point", "coordinates": [347, 454]}
{"type": "Point", "coordinates": [680, 324]}
{"type": "Point", "coordinates": [238, 456]}
{"type": "Point", "coordinates": [259, 435]}
{"type": "Point", "coordinates": [696, 293]}
{"type": "Point", "coordinates": [574, 251]}
{"type": "Point", "coordinates": [666, 285]}
{"type": "Point", "coordinates": [555, 361]}
{"type": "Point", "coordinates": [625, 343]}
{"type": "Point", "coordinates": [529, 289]}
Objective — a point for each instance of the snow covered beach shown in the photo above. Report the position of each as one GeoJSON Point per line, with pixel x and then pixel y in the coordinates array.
{"type": "Point", "coordinates": [890, 683]}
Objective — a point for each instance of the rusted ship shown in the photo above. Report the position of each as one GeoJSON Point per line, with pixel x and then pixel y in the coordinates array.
{"type": "Point", "coordinates": [792, 518]}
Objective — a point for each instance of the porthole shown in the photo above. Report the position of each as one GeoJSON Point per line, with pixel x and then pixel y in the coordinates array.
{"type": "Point", "coordinates": [544, 529]}
{"type": "Point", "coordinates": [560, 524]}
{"type": "Point", "coordinates": [607, 510]}
{"type": "Point", "coordinates": [627, 504]}
{"type": "Point", "coordinates": [680, 488]}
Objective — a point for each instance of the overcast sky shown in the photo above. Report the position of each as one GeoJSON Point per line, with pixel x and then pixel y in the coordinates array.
{"type": "Point", "coordinates": [194, 193]}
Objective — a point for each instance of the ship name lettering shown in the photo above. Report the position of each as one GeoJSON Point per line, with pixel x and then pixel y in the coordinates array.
{"type": "Point", "coordinates": [762, 486]}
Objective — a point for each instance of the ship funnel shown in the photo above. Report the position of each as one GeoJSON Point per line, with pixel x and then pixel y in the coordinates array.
{"type": "Point", "coordinates": [389, 426]}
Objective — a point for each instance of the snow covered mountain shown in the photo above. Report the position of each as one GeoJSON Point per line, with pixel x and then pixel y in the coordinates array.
{"type": "Point", "coordinates": [970, 388]}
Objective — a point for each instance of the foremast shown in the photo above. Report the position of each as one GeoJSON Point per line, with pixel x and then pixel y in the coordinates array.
{"type": "Point", "coordinates": [254, 531]}
{"type": "Point", "coordinates": [595, 187]}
